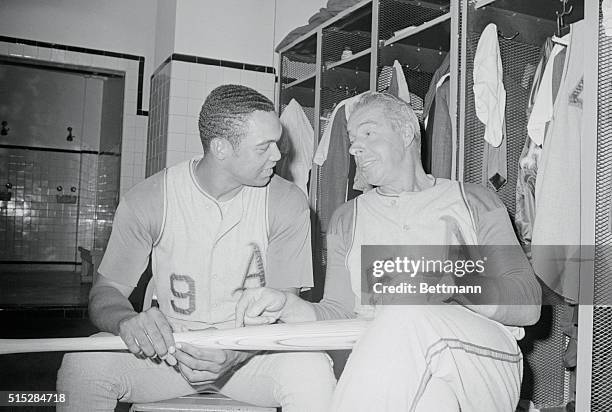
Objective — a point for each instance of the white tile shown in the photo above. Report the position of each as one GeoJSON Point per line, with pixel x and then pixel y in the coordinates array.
{"type": "Point", "coordinates": [265, 81]}
{"type": "Point", "coordinates": [249, 78]}
{"type": "Point", "coordinates": [176, 124]}
{"type": "Point", "coordinates": [192, 126]}
{"type": "Point", "coordinates": [16, 49]}
{"type": "Point", "coordinates": [129, 120]}
{"type": "Point", "coordinates": [178, 105]}
{"type": "Point", "coordinates": [30, 51]}
{"type": "Point", "coordinates": [180, 70]}
{"type": "Point", "coordinates": [194, 106]}
{"type": "Point", "coordinates": [85, 59]}
{"type": "Point", "coordinates": [231, 76]}
{"type": "Point", "coordinates": [179, 88]}
{"type": "Point", "coordinates": [214, 75]}
{"type": "Point", "coordinates": [174, 157]}
{"type": "Point", "coordinates": [132, 64]}
{"type": "Point", "coordinates": [196, 90]}
{"type": "Point", "coordinates": [131, 82]}
{"type": "Point", "coordinates": [193, 144]}
{"type": "Point", "coordinates": [100, 61]}
{"type": "Point", "coordinates": [4, 48]}
{"type": "Point", "coordinates": [197, 72]}
{"type": "Point", "coordinates": [176, 141]}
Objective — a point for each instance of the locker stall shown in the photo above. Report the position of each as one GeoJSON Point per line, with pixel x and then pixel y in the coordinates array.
{"type": "Point", "coordinates": [356, 51]}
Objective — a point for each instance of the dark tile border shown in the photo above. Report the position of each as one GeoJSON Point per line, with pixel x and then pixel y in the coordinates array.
{"type": "Point", "coordinates": [36, 262]}
{"type": "Point", "coordinates": [188, 58]}
{"type": "Point", "coordinates": [56, 150]}
{"type": "Point", "coordinates": [139, 59]}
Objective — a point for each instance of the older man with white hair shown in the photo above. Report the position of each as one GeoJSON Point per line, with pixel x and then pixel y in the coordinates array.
{"type": "Point", "coordinates": [460, 354]}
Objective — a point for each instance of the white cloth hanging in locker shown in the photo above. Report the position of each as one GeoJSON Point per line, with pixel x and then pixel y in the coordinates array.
{"type": "Point", "coordinates": [321, 154]}
{"type": "Point", "coordinates": [298, 130]}
{"type": "Point", "coordinates": [542, 110]}
{"type": "Point", "coordinates": [489, 91]}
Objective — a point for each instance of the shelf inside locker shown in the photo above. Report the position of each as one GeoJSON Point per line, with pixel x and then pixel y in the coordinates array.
{"type": "Point", "coordinates": [437, 30]}
{"type": "Point", "coordinates": [342, 78]}
{"type": "Point", "coordinates": [417, 58]}
{"type": "Point", "coordinates": [358, 61]}
{"type": "Point", "coordinates": [537, 9]}
{"type": "Point", "coordinates": [396, 15]}
{"type": "Point", "coordinates": [308, 82]}
{"type": "Point", "coordinates": [356, 18]}
{"type": "Point", "coordinates": [521, 27]}
{"type": "Point", "coordinates": [339, 42]}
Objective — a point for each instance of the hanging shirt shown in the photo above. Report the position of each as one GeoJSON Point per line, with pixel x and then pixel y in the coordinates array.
{"type": "Point", "coordinates": [556, 230]}
{"type": "Point", "coordinates": [298, 144]}
{"type": "Point", "coordinates": [489, 91]}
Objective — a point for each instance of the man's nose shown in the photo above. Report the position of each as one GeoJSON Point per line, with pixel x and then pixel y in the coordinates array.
{"type": "Point", "coordinates": [275, 156]}
{"type": "Point", "coordinates": [356, 148]}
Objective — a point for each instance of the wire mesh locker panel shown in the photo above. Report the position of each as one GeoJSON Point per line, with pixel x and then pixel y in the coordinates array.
{"type": "Point", "coordinates": [397, 15]}
{"type": "Point", "coordinates": [601, 390]}
{"type": "Point", "coordinates": [544, 379]}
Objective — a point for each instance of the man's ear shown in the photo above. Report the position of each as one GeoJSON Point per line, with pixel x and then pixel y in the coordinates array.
{"type": "Point", "coordinates": [220, 148]}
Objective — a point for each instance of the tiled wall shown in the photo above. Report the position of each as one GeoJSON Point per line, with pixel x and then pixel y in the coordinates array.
{"type": "Point", "coordinates": [107, 198]}
{"type": "Point", "coordinates": [133, 146]}
{"type": "Point", "coordinates": [189, 84]}
{"type": "Point", "coordinates": [158, 121]}
{"type": "Point", "coordinates": [33, 225]}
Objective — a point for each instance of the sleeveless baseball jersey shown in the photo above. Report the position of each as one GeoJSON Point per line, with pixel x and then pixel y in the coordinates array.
{"type": "Point", "coordinates": [435, 216]}
{"type": "Point", "coordinates": [199, 291]}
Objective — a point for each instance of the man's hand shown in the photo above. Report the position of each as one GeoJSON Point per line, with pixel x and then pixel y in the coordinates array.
{"type": "Point", "coordinates": [259, 306]}
{"type": "Point", "coordinates": [202, 366]}
{"type": "Point", "coordinates": [149, 333]}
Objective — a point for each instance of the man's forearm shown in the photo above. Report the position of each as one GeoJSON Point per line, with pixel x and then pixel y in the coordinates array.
{"type": "Point", "coordinates": [108, 307]}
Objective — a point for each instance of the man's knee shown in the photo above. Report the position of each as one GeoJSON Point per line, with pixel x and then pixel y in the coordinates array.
{"type": "Point", "coordinates": [307, 371]}
{"type": "Point", "coordinates": [79, 371]}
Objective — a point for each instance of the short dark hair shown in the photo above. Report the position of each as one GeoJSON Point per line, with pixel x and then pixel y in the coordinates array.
{"type": "Point", "coordinates": [225, 112]}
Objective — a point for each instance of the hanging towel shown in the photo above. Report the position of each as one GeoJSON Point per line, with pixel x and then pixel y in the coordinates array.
{"type": "Point", "coordinates": [489, 91]}
{"type": "Point", "coordinates": [398, 86]}
{"type": "Point", "coordinates": [297, 142]}
{"type": "Point", "coordinates": [323, 148]}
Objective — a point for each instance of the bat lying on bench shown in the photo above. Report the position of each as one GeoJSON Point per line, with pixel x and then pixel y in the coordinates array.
{"type": "Point", "coordinates": [306, 336]}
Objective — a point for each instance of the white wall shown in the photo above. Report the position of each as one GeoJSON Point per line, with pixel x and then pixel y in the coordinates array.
{"type": "Point", "coordinates": [237, 30]}
{"type": "Point", "coordinates": [164, 30]}
{"type": "Point", "coordinates": [291, 14]}
{"type": "Point", "coordinates": [126, 26]}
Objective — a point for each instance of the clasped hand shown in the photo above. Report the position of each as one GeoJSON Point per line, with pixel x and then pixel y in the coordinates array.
{"type": "Point", "coordinates": [149, 334]}
{"type": "Point", "coordinates": [259, 306]}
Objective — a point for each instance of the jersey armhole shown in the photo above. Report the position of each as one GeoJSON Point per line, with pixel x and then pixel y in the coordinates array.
{"type": "Point", "coordinates": [353, 229]}
{"type": "Point", "coordinates": [267, 214]}
{"type": "Point", "coordinates": [165, 207]}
